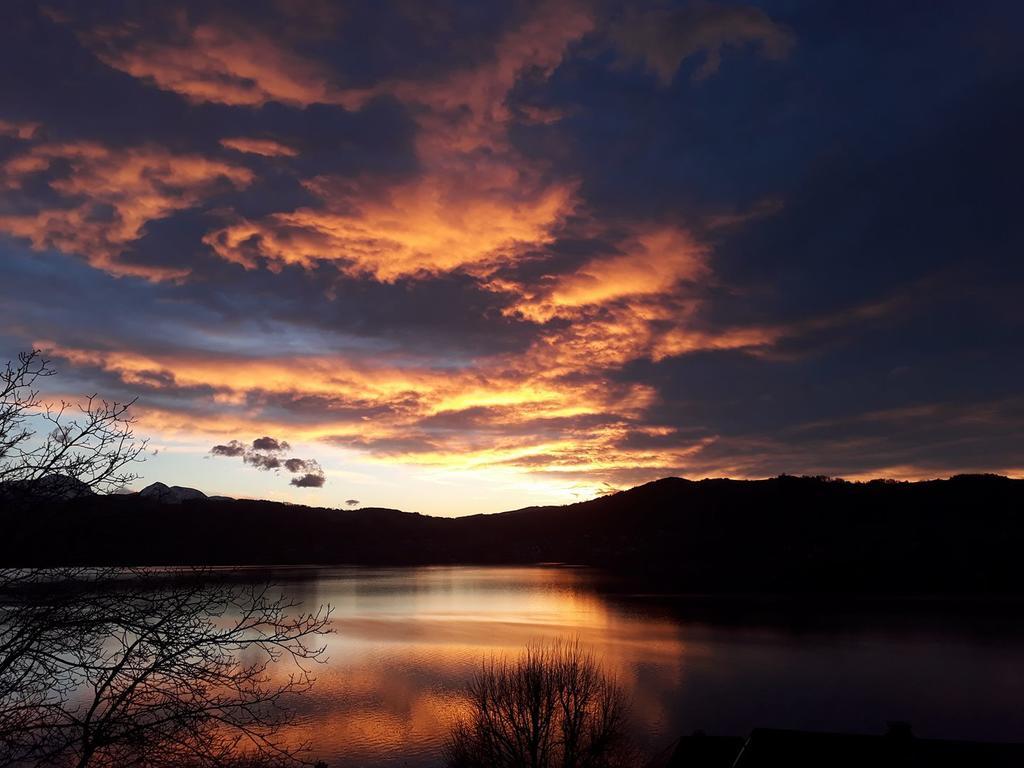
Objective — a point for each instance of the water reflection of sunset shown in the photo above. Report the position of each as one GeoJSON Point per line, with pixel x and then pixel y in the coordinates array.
{"type": "Point", "coordinates": [406, 641]}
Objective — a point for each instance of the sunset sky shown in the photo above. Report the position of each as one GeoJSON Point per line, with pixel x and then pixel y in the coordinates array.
{"type": "Point", "coordinates": [471, 256]}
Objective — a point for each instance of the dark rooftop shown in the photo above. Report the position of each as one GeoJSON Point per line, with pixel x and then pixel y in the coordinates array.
{"type": "Point", "coordinates": [767, 747]}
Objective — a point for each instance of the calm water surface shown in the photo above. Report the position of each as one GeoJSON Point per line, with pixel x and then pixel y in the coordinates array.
{"type": "Point", "coordinates": [407, 639]}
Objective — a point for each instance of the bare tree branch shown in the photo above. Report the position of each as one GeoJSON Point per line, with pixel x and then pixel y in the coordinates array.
{"type": "Point", "coordinates": [90, 444]}
{"type": "Point", "coordinates": [128, 667]}
{"type": "Point", "coordinates": [124, 667]}
{"type": "Point", "coordinates": [552, 707]}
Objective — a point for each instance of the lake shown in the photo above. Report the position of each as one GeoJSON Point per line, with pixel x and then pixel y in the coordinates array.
{"type": "Point", "coordinates": [406, 640]}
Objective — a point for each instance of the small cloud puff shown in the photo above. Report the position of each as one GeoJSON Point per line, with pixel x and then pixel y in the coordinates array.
{"type": "Point", "coordinates": [233, 448]}
{"type": "Point", "coordinates": [309, 480]}
{"type": "Point", "coordinates": [269, 444]}
{"type": "Point", "coordinates": [265, 454]}
{"type": "Point", "coordinates": [262, 460]}
{"type": "Point", "coordinates": [295, 465]}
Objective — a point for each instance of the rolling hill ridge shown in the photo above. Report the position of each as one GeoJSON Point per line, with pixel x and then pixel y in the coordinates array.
{"type": "Point", "coordinates": [782, 534]}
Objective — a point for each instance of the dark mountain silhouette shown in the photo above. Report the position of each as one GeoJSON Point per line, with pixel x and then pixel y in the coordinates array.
{"type": "Point", "coordinates": [784, 534]}
{"type": "Point", "coordinates": [174, 494]}
{"type": "Point", "coordinates": [50, 487]}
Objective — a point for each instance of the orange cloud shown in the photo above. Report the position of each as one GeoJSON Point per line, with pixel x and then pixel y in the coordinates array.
{"type": "Point", "coordinates": [468, 110]}
{"type": "Point", "coordinates": [476, 205]}
{"type": "Point", "coordinates": [18, 130]}
{"type": "Point", "coordinates": [548, 412]}
{"type": "Point", "coordinates": [477, 202]}
{"type": "Point", "coordinates": [648, 263]}
{"type": "Point", "coordinates": [681, 341]}
{"type": "Point", "coordinates": [108, 196]}
{"type": "Point", "coordinates": [516, 401]}
{"type": "Point", "coordinates": [226, 63]}
{"type": "Point", "coordinates": [264, 147]}
{"type": "Point", "coordinates": [437, 223]}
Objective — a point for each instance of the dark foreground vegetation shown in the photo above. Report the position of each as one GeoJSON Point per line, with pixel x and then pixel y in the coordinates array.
{"type": "Point", "coordinates": [785, 534]}
{"type": "Point", "coordinates": [105, 668]}
{"type": "Point", "coordinates": [897, 748]}
{"type": "Point", "coordinates": [553, 706]}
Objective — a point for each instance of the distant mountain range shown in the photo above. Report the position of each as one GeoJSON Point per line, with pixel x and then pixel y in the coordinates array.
{"type": "Point", "coordinates": [783, 534]}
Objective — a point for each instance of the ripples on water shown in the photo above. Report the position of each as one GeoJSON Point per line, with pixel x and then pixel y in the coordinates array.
{"type": "Point", "coordinates": [406, 640]}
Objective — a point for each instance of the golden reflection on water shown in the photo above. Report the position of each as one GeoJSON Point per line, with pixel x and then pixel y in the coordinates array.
{"type": "Point", "coordinates": [407, 640]}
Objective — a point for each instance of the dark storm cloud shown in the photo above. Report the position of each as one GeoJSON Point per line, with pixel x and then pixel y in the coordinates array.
{"type": "Point", "coordinates": [386, 446]}
{"type": "Point", "coordinates": [866, 227]}
{"type": "Point", "coordinates": [312, 409]}
{"type": "Point", "coordinates": [362, 43]}
{"type": "Point", "coordinates": [441, 318]}
{"type": "Point", "coordinates": [444, 315]}
{"type": "Point", "coordinates": [926, 232]}
{"type": "Point", "coordinates": [71, 53]}
{"type": "Point", "coordinates": [664, 37]}
{"type": "Point", "coordinates": [938, 439]}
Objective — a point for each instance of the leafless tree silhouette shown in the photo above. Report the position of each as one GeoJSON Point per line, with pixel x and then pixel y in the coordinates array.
{"type": "Point", "coordinates": [122, 667]}
{"type": "Point", "coordinates": [552, 707]}
{"type": "Point", "coordinates": [89, 444]}
{"type": "Point", "coordinates": [129, 667]}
